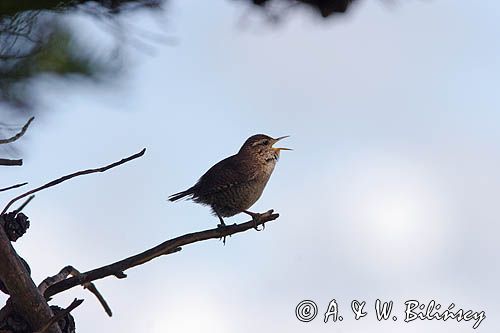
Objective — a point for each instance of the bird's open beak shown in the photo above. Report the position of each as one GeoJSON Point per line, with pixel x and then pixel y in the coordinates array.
{"type": "Point", "coordinates": [278, 139]}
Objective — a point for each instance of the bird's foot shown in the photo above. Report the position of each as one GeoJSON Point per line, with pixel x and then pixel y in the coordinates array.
{"type": "Point", "coordinates": [222, 226]}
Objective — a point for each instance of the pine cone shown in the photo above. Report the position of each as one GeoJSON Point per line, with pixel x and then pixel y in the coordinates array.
{"type": "Point", "coordinates": [16, 225]}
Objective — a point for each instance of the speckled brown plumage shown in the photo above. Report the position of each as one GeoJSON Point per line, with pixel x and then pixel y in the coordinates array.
{"type": "Point", "coordinates": [234, 184]}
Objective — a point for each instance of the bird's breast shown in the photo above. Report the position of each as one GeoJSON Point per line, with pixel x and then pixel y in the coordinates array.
{"type": "Point", "coordinates": [267, 168]}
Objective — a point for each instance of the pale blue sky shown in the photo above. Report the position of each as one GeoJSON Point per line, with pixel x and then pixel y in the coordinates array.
{"type": "Point", "coordinates": [391, 191]}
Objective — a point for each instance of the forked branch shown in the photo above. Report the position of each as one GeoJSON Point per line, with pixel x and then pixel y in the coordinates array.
{"type": "Point", "coordinates": [167, 247]}
{"type": "Point", "coordinates": [63, 274]}
{"type": "Point", "coordinates": [24, 295]}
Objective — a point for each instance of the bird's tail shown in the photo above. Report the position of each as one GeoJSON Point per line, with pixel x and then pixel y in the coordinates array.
{"type": "Point", "coordinates": [180, 195]}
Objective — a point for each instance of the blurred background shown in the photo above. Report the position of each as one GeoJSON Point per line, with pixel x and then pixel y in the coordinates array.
{"type": "Point", "coordinates": [391, 191]}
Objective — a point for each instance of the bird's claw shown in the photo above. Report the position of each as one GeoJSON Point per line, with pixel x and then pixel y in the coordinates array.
{"type": "Point", "coordinates": [222, 226]}
{"type": "Point", "coordinates": [256, 220]}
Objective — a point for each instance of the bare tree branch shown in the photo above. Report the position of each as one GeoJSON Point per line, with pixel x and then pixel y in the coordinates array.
{"type": "Point", "coordinates": [49, 281]}
{"type": "Point", "coordinates": [93, 289]}
{"type": "Point", "coordinates": [76, 174]}
{"type": "Point", "coordinates": [17, 162]}
{"type": "Point", "coordinates": [168, 247]}
{"type": "Point", "coordinates": [18, 135]}
{"type": "Point", "coordinates": [24, 204]}
{"type": "Point", "coordinates": [12, 187]}
{"type": "Point", "coordinates": [25, 297]}
{"type": "Point", "coordinates": [60, 315]}
{"type": "Point", "coordinates": [63, 274]}
{"type": "Point", "coordinates": [8, 162]}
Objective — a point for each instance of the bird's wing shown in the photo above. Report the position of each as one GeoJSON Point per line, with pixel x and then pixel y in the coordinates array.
{"type": "Point", "coordinates": [227, 173]}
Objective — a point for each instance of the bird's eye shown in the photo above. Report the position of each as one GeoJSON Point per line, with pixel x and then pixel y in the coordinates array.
{"type": "Point", "coordinates": [265, 142]}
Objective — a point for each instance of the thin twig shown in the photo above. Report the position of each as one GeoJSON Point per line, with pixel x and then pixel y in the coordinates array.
{"type": "Point", "coordinates": [9, 162]}
{"type": "Point", "coordinates": [67, 177]}
{"type": "Point", "coordinates": [76, 302]}
{"type": "Point", "coordinates": [93, 289]}
{"type": "Point", "coordinates": [12, 187]}
{"type": "Point", "coordinates": [18, 135]}
{"type": "Point", "coordinates": [168, 247]}
{"type": "Point", "coordinates": [24, 204]}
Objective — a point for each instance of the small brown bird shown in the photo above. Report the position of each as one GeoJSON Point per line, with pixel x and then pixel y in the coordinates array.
{"type": "Point", "coordinates": [234, 184]}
